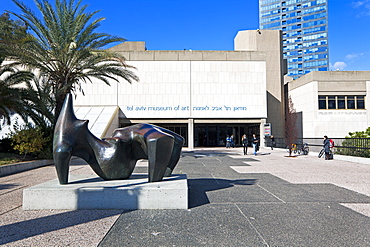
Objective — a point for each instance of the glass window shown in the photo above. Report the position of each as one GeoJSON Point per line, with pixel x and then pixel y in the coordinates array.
{"type": "Point", "coordinates": [351, 102]}
{"type": "Point", "coordinates": [322, 102]}
{"type": "Point", "coordinates": [360, 102]}
{"type": "Point", "coordinates": [341, 102]}
{"type": "Point", "coordinates": [331, 102]}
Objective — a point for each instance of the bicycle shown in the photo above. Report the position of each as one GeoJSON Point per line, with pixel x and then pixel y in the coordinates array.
{"type": "Point", "coordinates": [304, 149]}
{"type": "Point", "coordinates": [294, 148]}
{"type": "Point", "coordinates": [322, 152]}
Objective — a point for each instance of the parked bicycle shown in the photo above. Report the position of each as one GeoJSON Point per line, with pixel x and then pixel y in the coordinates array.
{"type": "Point", "coordinates": [294, 148]}
{"type": "Point", "coordinates": [300, 149]}
{"type": "Point", "coordinates": [304, 149]}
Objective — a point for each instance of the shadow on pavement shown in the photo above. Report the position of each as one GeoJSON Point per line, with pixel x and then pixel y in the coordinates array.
{"type": "Point", "coordinates": [33, 227]}
{"type": "Point", "coordinates": [199, 187]}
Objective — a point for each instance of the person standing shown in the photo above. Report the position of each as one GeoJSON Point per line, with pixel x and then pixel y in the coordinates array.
{"type": "Point", "coordinates": [245, 144]}
{"type": "Point", "coordinates": [232, 142]}
{"type": "Point", "coordinates": [272, 142]}
{"type": "Point", "coordinates": [255, 144]}
{"type": "Point", "coordinates": [227, 142]}
{"type": "Point", "coordinates": [326, 143]}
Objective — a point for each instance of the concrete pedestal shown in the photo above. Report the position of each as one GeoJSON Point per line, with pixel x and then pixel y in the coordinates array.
{"type": "Point", "coordinates": [86, 192]}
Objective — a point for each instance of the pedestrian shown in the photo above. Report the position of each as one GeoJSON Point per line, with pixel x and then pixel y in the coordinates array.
{"type": "Point", "coordinates": [255, 144]}
{"type": "Point", "coordinates": [245, 144]}
{"type": "Point", "coordinates": [228, 141]}
{"type": "Point", "coordinates": [272, 142]}
{"type": "Point", "coordinates": [326, 143]}
{"type": "Point", "coordinates": [232, 142]}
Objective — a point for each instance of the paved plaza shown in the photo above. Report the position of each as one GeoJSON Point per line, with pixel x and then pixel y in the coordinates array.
{"type": "Point", "coordinates": [234, 200]}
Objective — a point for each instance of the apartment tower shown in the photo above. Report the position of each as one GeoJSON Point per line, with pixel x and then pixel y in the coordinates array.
{"type": "Point", "coordinates": [304, 25]}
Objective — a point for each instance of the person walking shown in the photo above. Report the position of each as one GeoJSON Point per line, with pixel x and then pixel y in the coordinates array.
{"type": "Point", "coordinates": [255, 144]}
{"type": "Point", "coordinates": [272, 142]}
{"type": "Point", "coordinates": [232, 142]}
{"type": "Point", "coordinates": [326, 143]}
{"type": "Point", "coordinates": [245, 144]}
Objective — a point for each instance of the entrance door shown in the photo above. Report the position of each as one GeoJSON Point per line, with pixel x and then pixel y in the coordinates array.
{"type": "Point", "coordinates": [200, 136]}
{"type": "Point", "coordinates": [212, 136]}
{"type": "Point", "coordinates": [205, 136]}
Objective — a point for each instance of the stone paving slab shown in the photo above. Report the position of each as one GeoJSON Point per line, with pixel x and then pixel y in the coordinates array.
{"type": "Point", "coordinates": [308, 224]}
{"type": "Point", "coordinates": [201, 226]}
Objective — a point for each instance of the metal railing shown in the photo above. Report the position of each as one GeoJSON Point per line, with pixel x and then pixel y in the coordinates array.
{"type": "Point", "coordinates": [346, 146]}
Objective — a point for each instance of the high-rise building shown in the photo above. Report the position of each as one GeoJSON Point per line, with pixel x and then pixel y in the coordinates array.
{"type": "Point", "coordinates": [304, 25]}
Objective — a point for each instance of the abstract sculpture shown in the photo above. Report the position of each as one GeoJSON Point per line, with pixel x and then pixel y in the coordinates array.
{"type": "Point", "coordinates": [114, 157]}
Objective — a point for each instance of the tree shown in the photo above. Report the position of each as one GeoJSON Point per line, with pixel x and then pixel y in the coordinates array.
{"type": "Point", "coordinates": [291, 130]}
{"type": "Point", "coordinates": [10, 96]}
{"type": "Point", "coordinates": [28, 100]}
{"type": "Point", "coordinates": [38, 102]}
{"type": "Point", "coordinates": [10, 100]}
{"type": "Point", "coordinates": [360, 134]}
{"type": "Point", "coordinates": [65, 50]}
{"type": "Point", "coordinates": [21, 93]}
{"type": "Point", "coordinates": [10, 32]}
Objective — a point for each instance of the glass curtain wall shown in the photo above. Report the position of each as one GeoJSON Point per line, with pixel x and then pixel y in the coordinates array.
{"type": "Point", "coordinates": [304, 26]}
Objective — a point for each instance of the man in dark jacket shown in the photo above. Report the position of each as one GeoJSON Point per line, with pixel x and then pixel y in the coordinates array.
{"type": "Point", "coordinates": [326, 147]}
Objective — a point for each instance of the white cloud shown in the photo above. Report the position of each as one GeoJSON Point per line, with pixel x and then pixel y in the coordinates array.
{"type": "Point", "coordinates": [363, 6]}
{"type": "Point", "coordinates": [357, 4]}
{"type": "Point", "coordinates": [354, 55]}
{"type": "Point", "coordinates": [338, 66]}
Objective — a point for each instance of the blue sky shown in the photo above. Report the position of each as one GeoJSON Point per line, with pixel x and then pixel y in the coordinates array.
{"type": "Point", "coordinates": [213, 24]}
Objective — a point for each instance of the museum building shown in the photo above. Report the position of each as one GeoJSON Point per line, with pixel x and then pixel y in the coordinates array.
{"type": "Point", "coordinates": [202, 95]}
{"type": "Point", "coordinates": [331, 103]}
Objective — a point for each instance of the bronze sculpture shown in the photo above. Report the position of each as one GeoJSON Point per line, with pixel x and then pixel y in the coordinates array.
{"type": "Point", "coordinates": [114, 157]}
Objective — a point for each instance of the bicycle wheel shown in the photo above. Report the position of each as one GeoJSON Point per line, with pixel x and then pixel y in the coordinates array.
{"type": "Point", "coordinates": [321, 153]}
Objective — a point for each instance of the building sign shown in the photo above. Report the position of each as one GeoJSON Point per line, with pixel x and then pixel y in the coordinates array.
{"type": "Point", "coordinates": [185, 108]}
{"type": "Point", "coordinates": [267, 129]}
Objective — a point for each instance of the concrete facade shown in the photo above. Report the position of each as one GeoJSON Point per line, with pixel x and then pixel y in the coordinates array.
{"type": "Point", "coordinates": [242, 89]}
{"type": "Point", "coordinates": [270, 43]}
{"type": "Point", "coordinates": [335, 123]}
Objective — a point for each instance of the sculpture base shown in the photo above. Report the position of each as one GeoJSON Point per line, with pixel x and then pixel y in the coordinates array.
{"type": "Point", "coordinates": [86, 192]}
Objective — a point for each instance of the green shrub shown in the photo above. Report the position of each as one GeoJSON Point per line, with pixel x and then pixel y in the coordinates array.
{"type": "Point", "coordinates": [356, 144]}
{"type": "Point", "coordinates": [29, 140]}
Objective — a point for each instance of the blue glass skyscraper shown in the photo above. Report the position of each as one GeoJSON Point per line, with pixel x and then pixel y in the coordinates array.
{"type": "Point", "coordinates": [304, 24]}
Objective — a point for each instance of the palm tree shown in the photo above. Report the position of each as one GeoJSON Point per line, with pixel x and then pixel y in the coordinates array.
{"type": "Point", "coordinates": [65, 49]}
{"type": "Point", "coordinates": [21, 93]}
{"type": "Point", "coordinates": [10, 96]}
{"type": "Point", "coordinates": [38, 103]}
